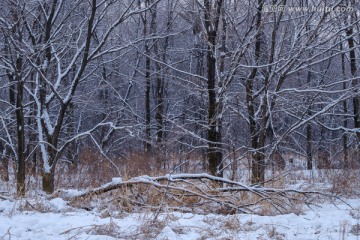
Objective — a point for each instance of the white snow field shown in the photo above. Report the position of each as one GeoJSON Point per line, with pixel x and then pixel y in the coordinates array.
{"type": "Point", "coordinates": [39, 216]}
{"type": "Point", "coordinates": [60, 221]}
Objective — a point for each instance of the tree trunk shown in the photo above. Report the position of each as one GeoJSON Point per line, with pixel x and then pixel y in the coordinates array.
{"type": "Point", "coordinates": [48, 180]}
{"type": "Point", "coordinates": [52, 156]}
{"type": "Point", "coordinates": [345, 109]}
{"type": "Point", "coordinates": [147, 142]}
{"type": "Point", "coordinates": [214, 154]}
{"type": "Point", "coordinates": [147, 105]}
{"type": "Point", "coordinates": [159, 88]}
{"type": "Point", "coordinates": [16, 93]}
{"type": "Point", "coordinates": [258, 157]}
{"type": "Point", "coordinates": [21, 145]}
{"type": "Point", "coordinates": [20, 123]}
{"type": "Point", "coordinates": [309, 158]}
{"type": "Point", "coordinates": [214, 134]}
{"type": "Point", "coordinates": [5, 173]}
{"type": "Point", "coordinates": [354, 82]}
{"type": "Point", "coordinates": [258, 168]}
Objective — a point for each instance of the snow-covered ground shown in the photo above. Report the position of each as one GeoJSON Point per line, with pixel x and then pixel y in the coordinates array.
{"type": "Point", "coordinates": [57, 220]}
{"type": "Point", "coordinates": [39, 217]}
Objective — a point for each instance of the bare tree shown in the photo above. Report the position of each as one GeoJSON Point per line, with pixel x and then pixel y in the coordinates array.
{"type": "Point", "coordinates": [212, 17]}
{"type": "Point", "coordinates": [14, 63]}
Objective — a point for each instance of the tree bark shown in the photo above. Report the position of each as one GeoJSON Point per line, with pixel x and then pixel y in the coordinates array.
{"type": "Point", "coordinates": [5, 172]}
{"type": "Point", "coordinates": [48, 182]}
{"type": "Point", "coordinates": [309, 157]}
{"type": "Point", "coordinates": [212, 17]}
{"type": "Point", "coordinates": [16, 94]}
{"type": "Point", "coordinates": [147, 142]}
{"type": "Point", "coordinates": [4, 164]}
{"type": "Point", "coordinates": [20, 174]}
{"type": "Point", "coordinates": [258, 157]}
{"type": "Point", "coordinates": [354, 82]}
{"type": "Point", "coordinates": [345, 110]}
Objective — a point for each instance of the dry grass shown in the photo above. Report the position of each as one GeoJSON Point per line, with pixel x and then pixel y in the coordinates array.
{"type": "Point", "coordinates": [355, 230]}
{"type": "Point", "coordinates": [272, 233]}
{"type": "Point", "coordinates": [250, 226]}
{"type": "Point", "coordinates": [149, 228]}
{"type": "Point", "coordinates": [93, 170]}
{"type": "Point", "coordinates": [110, 229]}
{"type": "Point", "coordinates": [344, 181]}
{"type": "Point", "coordinates": [231, 223]}
{"type": "Point", "coordinates": [37, 205]}
{"type": "Point", "coordinates": [355, 213]}
{"type": "Point", "coordinates": [193, 195]}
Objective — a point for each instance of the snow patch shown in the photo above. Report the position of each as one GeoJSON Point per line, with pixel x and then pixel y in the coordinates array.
{"type": "Point", "coordinates": [70, 193]}
{"type": "Point", "coordinates": [117, 180]}
{"type": "Point", "coordinates": [168, 233]}
{"type": "Point", "coordinates": [59, 204]}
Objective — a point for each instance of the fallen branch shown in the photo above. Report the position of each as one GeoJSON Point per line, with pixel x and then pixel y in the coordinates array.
{"type": "Point", "coordinates": [203, 191]}
{"type": "Point", "coordinates": [5, 198]}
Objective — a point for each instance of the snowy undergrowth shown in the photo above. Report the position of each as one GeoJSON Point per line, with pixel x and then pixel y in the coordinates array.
{"type": "Point", "coordinates": [60, 221]}
{"type": "Point", "coordinates": [40, 217]}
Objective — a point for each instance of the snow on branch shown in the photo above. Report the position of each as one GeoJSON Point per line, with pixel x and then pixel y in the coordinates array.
{"type": "Point", "coordinates": [198, 192]}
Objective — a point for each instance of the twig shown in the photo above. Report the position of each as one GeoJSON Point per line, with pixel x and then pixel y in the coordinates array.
{"type": "Point", "coordinates": [166, 191]}
{"type": "Point", "coordinates": [7, 233]}
{"type": "Point", "coordinates": [5, 198]}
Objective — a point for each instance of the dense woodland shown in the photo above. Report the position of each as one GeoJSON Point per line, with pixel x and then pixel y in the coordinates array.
{"type": "Point", "coordinates": [219, 84]}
